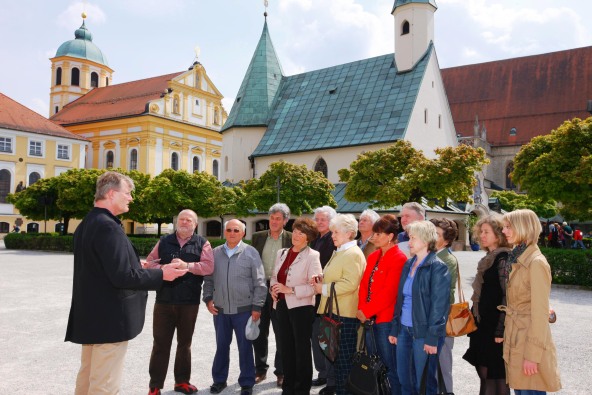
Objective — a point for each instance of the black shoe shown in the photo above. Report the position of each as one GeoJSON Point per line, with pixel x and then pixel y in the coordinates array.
{"type": "Point", "coordinates": [328, 390]}
{"type": "Point", "coordinates": [246, 391]}
{"type": "Point", "coordinates": [216, 388]}
{"type": "Point", "coordinates": [318, 382]}
{"type": "Point", "coordinates": [259, 377]}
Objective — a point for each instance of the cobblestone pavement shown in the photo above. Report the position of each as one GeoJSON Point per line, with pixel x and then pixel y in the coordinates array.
{"type": "Point", "coordinates": [35, 291]}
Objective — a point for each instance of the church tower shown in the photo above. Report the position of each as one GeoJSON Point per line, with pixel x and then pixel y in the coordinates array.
{"type": "Point", "coordinates": [414, 30]}
{"type": "Point", "coordinates": [77, 67]}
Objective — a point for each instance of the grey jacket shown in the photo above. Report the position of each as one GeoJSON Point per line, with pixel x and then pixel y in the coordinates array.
{"type": "Point", "coordinates": [238, 283]}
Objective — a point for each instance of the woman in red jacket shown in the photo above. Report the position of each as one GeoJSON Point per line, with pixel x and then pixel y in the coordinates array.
{"type": "Point", "coordinates": [378, 293]}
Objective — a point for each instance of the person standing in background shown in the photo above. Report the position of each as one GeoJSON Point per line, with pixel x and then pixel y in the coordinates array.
{"type": "Point", "coordinates": [268, 243]}
{"type": "Point", "coordinates": [410, 213]}
{"type": "Point", "coordinates": [367, 219]}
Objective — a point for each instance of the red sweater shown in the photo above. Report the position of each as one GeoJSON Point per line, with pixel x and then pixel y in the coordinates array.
{"type": "Point", "coordinates": [385, 284]}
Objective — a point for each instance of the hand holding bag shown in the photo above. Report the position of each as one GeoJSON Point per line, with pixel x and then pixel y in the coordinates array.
{"type": "Point", "coordinates": [330, 328]}
{"type": "Point", "coordinates": [368, 375]}
{"type": "Point", "coordinates": [424, 378]}
{"type": "Point", "coordinates": [460, 319]}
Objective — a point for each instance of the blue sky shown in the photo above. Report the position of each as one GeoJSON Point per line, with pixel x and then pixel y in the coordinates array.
{"type": "Point", "coordinates": [146, 38]}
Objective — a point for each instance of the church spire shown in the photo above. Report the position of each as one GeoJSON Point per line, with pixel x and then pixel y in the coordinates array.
{"type": "Point", "coordinates": [259, 87]}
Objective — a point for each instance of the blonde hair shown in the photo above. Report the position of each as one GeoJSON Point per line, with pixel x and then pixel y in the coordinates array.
{"type": "Point", "coordinates": [425, 231]}
{"type": "Point", "coordinates": [345, 223]}
{"type": "Point", "coordinates": [496, 221]}
{"type": "Point", "coordinates": [525, 224]}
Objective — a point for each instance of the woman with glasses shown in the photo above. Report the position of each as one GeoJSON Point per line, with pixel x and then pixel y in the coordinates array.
{"type": "Point", "coordinates": [378, 293]}
{"type": "Point", "coordinates": [529, 351]}
{"type": "Point", "coordinates": [294, 299]}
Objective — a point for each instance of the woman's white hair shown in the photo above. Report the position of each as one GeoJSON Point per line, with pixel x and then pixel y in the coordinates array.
{"type": "Point", "coordinates": [345, 223]}
{"type": "Point", "coordinates": [371, 215]}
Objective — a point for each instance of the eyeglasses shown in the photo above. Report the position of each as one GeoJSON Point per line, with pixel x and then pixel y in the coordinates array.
{"type": "Point", "coordinates": [233, 230]}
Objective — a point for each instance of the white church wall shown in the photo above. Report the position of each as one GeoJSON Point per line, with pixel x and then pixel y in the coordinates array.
{"type": "Point", "coordinates": [237, 145]}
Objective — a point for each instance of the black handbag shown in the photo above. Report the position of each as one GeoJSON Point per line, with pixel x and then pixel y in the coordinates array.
{"type": "Point", "coordinates": [368, 375]}
{"type": "Point", "coordinates": [330, 328]}
{"type": "Point", "coordinates": [424, 379]}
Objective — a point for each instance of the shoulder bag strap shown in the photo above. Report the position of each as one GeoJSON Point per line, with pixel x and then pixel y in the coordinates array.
{"type": "Point", "coordinates": [461, 295]}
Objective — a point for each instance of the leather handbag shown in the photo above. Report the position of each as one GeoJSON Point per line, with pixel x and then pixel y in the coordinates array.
{"type": "Point", "coordinates": [423, 386]}
{"type": "Point", "coordinates": [460, 319]}
{"type": "Point", "coordinates": [368, 375]}
{"type": "Point", "coordinates": [330, 328]}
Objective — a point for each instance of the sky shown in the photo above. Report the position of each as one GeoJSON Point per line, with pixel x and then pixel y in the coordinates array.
{"type": "Point", "coordinates": [147, 38]}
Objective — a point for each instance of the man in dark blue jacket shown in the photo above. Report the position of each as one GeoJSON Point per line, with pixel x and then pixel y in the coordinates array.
{"type": "Point", "coordinates": [109, 290]}
{"type": "Point", "coordinates": [177, 302]}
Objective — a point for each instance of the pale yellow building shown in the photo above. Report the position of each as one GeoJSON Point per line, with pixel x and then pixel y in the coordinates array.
{"type": "Point", "coordinates": [31, 148]}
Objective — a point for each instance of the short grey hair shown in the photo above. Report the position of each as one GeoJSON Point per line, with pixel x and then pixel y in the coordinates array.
{"type": "Point", "coordinates": [371, 215]}
{"type": "Point", "coordinates": [111, 180]}
{"type": "Point", "coordinates": [418, 208]}
{"type": "Point", "coordinates": [280, 208]}
{"type": "Point", "coordinates": [327, 210]}
{"type": "Point", "coordinates": [425, 231]}
{"type": "Point", "coordinates": [345, 223]}
{"type": "Point", "coordinates": [239, 221]}
{"type": "Point", "coordinates": [190, 212]}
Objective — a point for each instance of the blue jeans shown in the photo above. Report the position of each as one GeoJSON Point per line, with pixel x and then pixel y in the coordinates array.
{"type": "Point", "coordinates": [386, 351]}
{"type": "Point", "coordinates": [529, 392]}
{"type": "Point", "coordinates": [225, 324]}
{"type": "Point", "coordinates": [411, 359]}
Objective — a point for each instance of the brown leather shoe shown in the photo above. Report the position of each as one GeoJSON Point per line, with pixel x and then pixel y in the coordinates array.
{"type": "Point", "coordinates": [259, 377]}
{"type": "Point", "coordinates": [280, 380]}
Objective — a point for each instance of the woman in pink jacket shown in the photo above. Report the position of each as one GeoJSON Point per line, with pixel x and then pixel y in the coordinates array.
{"type": "Point", "coordinates": [294, 299]}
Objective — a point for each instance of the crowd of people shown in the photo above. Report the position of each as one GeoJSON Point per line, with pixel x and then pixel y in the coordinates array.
{"type": "Point", "coordinates": [396, 285]}
{"type": "Point", "coordinates": [557, 235]}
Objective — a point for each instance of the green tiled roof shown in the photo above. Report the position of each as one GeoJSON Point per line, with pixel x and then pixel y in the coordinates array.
{"type": "Point", "coordinates": [359, 103]}
{"type": "Point", "coordinates": [403, 2]}
{"type": "Point", "coordinates": [82, 47]}
{"type": "Point", "coordinates": [257, 91]}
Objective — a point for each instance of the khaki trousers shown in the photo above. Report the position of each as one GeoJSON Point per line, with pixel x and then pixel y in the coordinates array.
{"type": "Point", "coordinates": [101, 368]}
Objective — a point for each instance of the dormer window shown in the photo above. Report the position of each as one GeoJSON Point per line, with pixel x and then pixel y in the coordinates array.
{"type": "Point", "coordinates": [405, 28]}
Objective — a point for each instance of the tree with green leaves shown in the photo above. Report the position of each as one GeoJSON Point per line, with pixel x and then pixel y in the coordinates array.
{"type": "Point", "coordinates": [558, 166]}
{"type": "Point", "coordinates": [300, 188]}
{"type": "Point", "coordinates": [38, 201]}
{"type": "Point", "coordinates": [399, 173]}
{"type": "Point", "coordinates": [511, 201]}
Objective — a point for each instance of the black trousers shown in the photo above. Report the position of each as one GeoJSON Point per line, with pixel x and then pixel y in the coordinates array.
{"type": "Point", "coordinates": [260, 345]}
{"type": "Point", "coordinates": [167, 318]}
{"type": "Point", "coordinates": [295, 326]}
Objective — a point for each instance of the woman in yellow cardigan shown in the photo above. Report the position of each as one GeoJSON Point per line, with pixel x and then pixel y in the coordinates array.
{"type": "Point", "coordinates": [529, 351]}
{"type": "Point", "coordinates": [345, 269]}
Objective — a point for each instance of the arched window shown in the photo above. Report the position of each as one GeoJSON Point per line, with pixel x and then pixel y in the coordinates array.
{"type": "Point", "coordinates": [176, 105]}
{"type": "Point", "coordinates": [405, 28]}
{"type": "Point", "coordinates": [94, 80]}
{"type": "Point", "coordinates": [215, 168]}
{"type": "Point", "coordinates": [4, 185]}
{"type": "Point", "coordinates": [321, 166]}
{"type": "Point", "coordinates": [133, 165]}
{"type": "Point", "coordinates": [34, 177]}
{"type": "Point", "coordinates": [509, 183]}
{"type": "Point", "coordinates": [56, 109]}
{"type": "Point", "coordinates": [106, 81]}
{"type": "Point", "coordinates": [59, 76]}
{"type": "Point", "coordinates": [175, 161]}
{"type": "Point", "coordinates": [109, 160]}
{"type": "Point", "coordinates": [195, 164]}
{"type": "Point", "coordinates": [75, 81]}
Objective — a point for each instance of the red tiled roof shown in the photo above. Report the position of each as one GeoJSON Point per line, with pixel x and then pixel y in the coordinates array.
{"type": "Point", "coordinates": [15, 116]}
{"type": "Point", "coordinates": [534, 94]}
{"type": "Point", "coordinates": [120, 100]}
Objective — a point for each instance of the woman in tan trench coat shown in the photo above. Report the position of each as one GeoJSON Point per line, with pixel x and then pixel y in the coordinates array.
{"type": "Point", "coordinates": [529, 351]}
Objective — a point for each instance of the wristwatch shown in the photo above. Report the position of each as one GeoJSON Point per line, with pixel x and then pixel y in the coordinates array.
{"type": "Point", "coordinates": [293, 291]}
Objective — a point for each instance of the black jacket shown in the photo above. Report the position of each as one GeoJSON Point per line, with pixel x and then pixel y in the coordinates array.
{"type": "Point", "coordinates": [185, 289]}
{"type": "Point", "coordinates": [109, 288]}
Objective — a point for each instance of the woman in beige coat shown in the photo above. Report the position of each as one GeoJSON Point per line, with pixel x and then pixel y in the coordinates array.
{"type": "Point", "coordinates": [529, 351]}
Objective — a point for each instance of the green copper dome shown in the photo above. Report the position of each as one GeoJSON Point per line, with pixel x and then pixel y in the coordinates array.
{"type": "Point", "coordinates": [82, 47]}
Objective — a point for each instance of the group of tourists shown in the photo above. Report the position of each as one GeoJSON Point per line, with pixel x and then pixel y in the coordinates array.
{"type": "Point", "coordinates": [562, 236]}
{"type": "Point", "coordinates": [396, 286]}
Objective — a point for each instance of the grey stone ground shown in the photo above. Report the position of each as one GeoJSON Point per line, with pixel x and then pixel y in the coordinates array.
{"type": "Point", "coordinates": [35, 290]}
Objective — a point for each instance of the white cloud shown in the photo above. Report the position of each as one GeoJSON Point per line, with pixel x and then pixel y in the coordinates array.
{"type": "Point", "coordinates": [71, 16]}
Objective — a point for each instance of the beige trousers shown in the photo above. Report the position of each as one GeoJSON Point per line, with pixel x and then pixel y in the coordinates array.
{"type": "Point", "coordinates": [101, 368]}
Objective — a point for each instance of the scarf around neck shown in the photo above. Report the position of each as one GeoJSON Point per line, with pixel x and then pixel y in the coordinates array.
{"type": "Point", "coordinates": [484, 264]}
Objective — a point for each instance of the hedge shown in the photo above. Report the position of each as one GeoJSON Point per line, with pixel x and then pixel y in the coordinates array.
{"type": "Point", "coordinates": [570, 267]}
{"type": "Point", "coordinates": [56, 242]}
